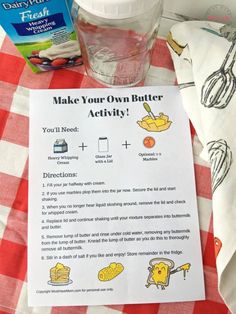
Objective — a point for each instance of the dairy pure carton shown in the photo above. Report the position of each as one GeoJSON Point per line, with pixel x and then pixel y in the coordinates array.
{"type": "Point", "coordinates": [43, 32]}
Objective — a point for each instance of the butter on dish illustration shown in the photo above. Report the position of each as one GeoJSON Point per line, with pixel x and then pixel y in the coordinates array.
{"type": "Point", "coordinates": [154, 123]}
{"type": "Point", "coordinates": [60, 275]}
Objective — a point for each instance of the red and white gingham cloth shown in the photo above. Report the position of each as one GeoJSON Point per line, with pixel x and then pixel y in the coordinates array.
{"type": "Point", "coordinates": [15, 78]}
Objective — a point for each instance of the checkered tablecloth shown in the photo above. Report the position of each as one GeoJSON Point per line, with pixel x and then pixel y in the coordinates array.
{"type": "Point", "coordinates": [15, 80]}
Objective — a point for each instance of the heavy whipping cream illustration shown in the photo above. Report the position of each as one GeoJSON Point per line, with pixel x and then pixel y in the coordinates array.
{"type": "Point", "coordinates": [43, 31]}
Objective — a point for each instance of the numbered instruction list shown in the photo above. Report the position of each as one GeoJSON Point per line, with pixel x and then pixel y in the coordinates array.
{"type": "Point", "coordinates": [112, 201]}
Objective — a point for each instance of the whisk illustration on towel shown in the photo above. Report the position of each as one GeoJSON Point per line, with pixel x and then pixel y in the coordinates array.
{"type": "Point", "coordinates": [219, 88]}
{"type": "Point", "coordinates": [221, 158]}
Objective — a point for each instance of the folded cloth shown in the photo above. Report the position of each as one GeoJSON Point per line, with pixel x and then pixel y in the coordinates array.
{"type": "Point", "coordinates": [204, 56]}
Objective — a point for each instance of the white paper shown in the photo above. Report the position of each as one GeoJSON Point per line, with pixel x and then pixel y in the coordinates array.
{"type": "Point", "coordinates": [112, 206]}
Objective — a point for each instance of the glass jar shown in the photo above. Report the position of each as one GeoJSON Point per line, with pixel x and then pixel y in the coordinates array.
{"type": "Point", "coordinates": [117, 37]}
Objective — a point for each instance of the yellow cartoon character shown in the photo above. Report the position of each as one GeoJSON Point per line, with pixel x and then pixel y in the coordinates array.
{"type": "Point", "coordinates": [60, 275]}
{"type": "Point", "coordinates": [160, 271]}
{"type": "Point", "coordinates": [154, 123]}
{"type": "Point", "coordinates": [110, 272]}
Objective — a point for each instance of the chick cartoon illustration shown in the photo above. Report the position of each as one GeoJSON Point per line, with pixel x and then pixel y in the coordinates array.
{"type": "Point", "coordinates": [160, 271]}
{"type": "Point", "coordinates": [110, 272]}
{"type": "Point", "coordinates": [154, 123]}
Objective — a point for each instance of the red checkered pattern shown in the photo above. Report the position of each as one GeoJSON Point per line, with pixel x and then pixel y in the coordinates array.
{"type": "Point", "coordinates": [15, 76]}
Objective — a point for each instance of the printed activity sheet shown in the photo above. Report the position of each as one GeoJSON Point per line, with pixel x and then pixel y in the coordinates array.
{"type": "Point", "coordinates": [112, 202]}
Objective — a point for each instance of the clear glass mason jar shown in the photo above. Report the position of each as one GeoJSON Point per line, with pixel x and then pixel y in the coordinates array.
{"type": "Point", "coordinates": [117, 37]}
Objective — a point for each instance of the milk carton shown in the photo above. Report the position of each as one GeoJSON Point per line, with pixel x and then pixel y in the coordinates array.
{"type": "Point", "coordinates": [43, 32]}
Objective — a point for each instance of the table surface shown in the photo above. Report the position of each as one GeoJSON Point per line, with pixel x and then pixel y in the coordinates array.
{"type": "Point", "coordinates": [15, 78]}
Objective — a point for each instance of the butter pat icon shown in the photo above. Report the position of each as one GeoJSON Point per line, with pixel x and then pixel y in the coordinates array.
{"type": "Point", "coordinates": [110, 272]}
{"type": "Point", "coordinates": [43, 32]}
{"type": "Point", "coordinates": [156, 123]}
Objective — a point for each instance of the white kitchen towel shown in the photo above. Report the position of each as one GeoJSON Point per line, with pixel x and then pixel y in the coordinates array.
{"type": "Point", "coordinates": [204, 55]}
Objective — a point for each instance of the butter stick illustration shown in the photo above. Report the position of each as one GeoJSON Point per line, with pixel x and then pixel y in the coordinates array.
{"type": "Point", "coordinates": [110, 272]}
